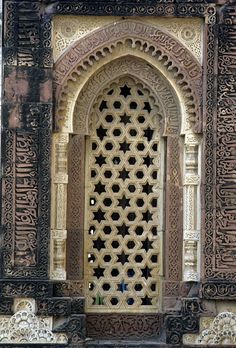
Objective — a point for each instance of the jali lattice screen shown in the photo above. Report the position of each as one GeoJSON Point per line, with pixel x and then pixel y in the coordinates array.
{"type": "Point", "coordinates": [123, 242]}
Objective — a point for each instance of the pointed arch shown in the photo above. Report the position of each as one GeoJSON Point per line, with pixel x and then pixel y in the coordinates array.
{"type": "Point", "coordinates": [149, 40]}
{"type": "Point", "coordinates": [171, 74]}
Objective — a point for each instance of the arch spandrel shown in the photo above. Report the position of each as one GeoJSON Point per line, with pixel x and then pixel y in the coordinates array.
{"type": "Point", "coordinates": [148, 39]}
{"type": "Point", "coordinates": [169, 107]}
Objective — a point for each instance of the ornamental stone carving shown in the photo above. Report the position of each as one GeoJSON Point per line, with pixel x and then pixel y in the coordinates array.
{"type": "Point", "coordinates": [115, 40]}
{"type": "Point", "coordinates": [222, 331]}
{"type": "Point", "coordinates": [191, 208]}
{"type": "Point", "coordinates": [68, 29]}
{"type": "Point", "coordinates": [25, 327]}
{"type": "Point", "coordinates": [59, 202]}
{"type": "Point", "coordinates": [168, 111]}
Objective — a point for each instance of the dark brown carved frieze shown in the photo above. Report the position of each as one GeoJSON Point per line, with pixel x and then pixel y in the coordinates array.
{"type": "Point", "coordinates": [75, 208]}
{"type": "Point", "coordinates": [168, 8]}
{"type": "Point", "coordinates": [74, 327]}
{"type": "Point", "coordinates": [60, 306]}
{"type": "Point", "coordinates": [209, 119]}
{"type": "Point", "coordinates": [220, 145]}
{"type": "Point", "coordinates": [120, 326]}
{"type": "Point", "coordinates": [24, 288]}
{"type": "Point", "coordinates": [185, 321]}
{"type": "Point", "coordinates": [221, 290]}
{"type": "Point", "coordinates": [27, 120]}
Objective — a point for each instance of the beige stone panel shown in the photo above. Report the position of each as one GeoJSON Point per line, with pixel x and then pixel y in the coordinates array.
{"type": "Point", "coordinates": [78, 82]}
{"type": "Point", "coordinates": [69, 29]}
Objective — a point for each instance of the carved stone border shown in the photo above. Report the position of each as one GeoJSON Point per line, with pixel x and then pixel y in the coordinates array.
{"type": "Point", "coordinates": [26, 136]}
{"type": "Point", "coordinates": [219, 194]}
{"type": "Point", "coordinates": [15, 54]}
{"type": "Point", "coordinates": [124, 326]}
{"type": "Point", "coordinates": [162, 92]}
{"type": "Point", "coordinates": [147, 38]}
{"type": "Point", "coordinates": [133, 8]}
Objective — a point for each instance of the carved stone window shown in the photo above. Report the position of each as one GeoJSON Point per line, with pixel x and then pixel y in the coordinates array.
{"type": "Point", "coordinates": [123, 220]}
{"type": "Point", "coordinates": [127, 112]}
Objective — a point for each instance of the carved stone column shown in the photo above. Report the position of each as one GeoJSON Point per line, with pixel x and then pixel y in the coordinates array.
{"type": "Point", "coordinates": [59, 203]}
{"type": "Point", "coordinates": [191, 209]}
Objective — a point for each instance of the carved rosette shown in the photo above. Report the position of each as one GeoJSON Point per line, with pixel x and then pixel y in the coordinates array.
{"type": "Point", "coordinates": [191, 209]}
{"type": "Point", "coordinates": [25, 327]}
{"type": "Point", "coordinates": [221, 331]}
{"type": "Point", "coordinates": [59, 202]}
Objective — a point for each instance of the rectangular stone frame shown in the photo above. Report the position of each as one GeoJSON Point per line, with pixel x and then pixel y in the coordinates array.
{"type": "Point", "coordinates": [26, 137]}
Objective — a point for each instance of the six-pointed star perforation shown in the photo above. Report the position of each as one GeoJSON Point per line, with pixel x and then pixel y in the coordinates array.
{"type": "Point", "coordinates": [124, 171]}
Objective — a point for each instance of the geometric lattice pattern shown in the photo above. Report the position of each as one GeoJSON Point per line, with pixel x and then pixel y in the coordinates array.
{"type": "Point", "coordinates": [123, 240]}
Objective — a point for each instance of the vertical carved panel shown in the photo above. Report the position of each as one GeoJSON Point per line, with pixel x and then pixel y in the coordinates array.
{"type": "Point", "coordinates": [75, 215]}
{"type": "Point", "coordinates": [191, 209]}
{"type": "Point", "coordinates": [220, 145]}
{"type": "Point", "coordinates": [209, 104]}
{"type": "Point", "coordinates": [26, 123]}
{"type": "Point", "coordinates": [174, 212]}
{"type": "Point", "coordinates": [225, 232]}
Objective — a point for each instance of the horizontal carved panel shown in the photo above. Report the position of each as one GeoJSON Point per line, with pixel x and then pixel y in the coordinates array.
{"type": "Point", "coordinates": [132, 326]}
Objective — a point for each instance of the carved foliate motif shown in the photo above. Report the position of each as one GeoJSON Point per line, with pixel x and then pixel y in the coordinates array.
{"type": "Point", "coordinates": [218, 290]}
{"type": "Point", "coordinates": [157, 44]}
{"type": "Point", "coordinates": [68, 29]}
{"type": "Point", "coordinates": [221, 331]}
{"type": "Point", "coordinates": [120, 326]}
{"type": "Point", "coordinates": [220, 143]}
{"type": "Point", "coordinates": [75, 207]}
{"type": "Point", "coordinates": [25, 327]}
{"type": "Point", "coordinates": [174, 212]}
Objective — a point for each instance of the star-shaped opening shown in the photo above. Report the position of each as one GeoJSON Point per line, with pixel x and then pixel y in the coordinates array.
{"type": "Point", "coordinates": [99, 244]}
{"type": "Point", "coordinates": [122, 286]}
{"type": "Point", "coordinates": [103, 105]}
{"type": "Point", "coordinates": [148, 133]}
{"type": "Point", "coordinates": [124, 174]}
{"type": "Point", "coordinates": [124, 202]}
{"type": "Point", "coordinates": [99, 188]}
{"type": "Point", "coordinates": [146, 301]}
{"type": "Point", "coordinates": [99, 215]}
{"type": "Point", "coordinates": [123, 230]}
{"type": "Point", "coordinates": [146, 272]}
{"type": "Point", "coordinates": [101, 132]}
{"type": "Point", "coordinates": [124, 146]}
{"type": "Point", "coordinates": [148, 161]}
{"type": "Point", "coordinates": [98, 272]}
{"type": "Point", "coordinates": [125, 91]}
{"type": "Point", "coordinates": [147, 188]}
{"type": "Point", "coordinates": [147, 107]}
{"type": "Point", "coordinates": [100, 160]}
{"type": "Point", "coordinates": [147, 216]}
{"type": "Point", "coordinates": [125, 119]}
{"type": "Point", "coordinates": [122, 258]}
{"type": "Point", "coordinates": [147, 244]}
